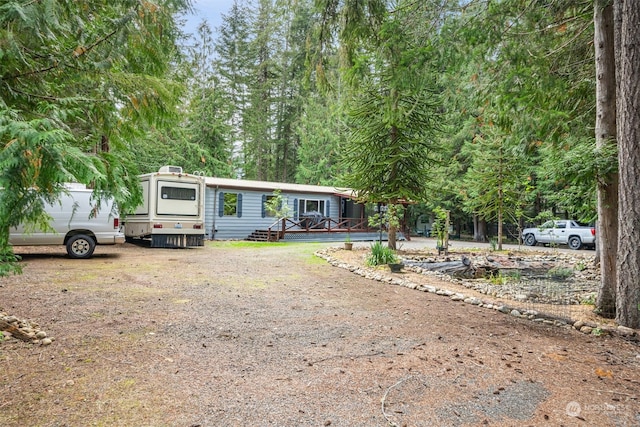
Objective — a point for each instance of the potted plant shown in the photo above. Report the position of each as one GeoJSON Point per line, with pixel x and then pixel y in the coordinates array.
{"type": "Point", "coordinates": [348, 244]}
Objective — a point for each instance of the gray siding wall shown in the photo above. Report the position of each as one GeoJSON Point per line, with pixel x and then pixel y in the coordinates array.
{"type": "Point", "coordinates": [239, 227]}
{"type": "Point", "coordinates": [209, 207]}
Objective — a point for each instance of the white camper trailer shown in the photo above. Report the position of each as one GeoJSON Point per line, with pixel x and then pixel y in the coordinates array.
{"type": "Point", "coordinates": [172, 213]}
{"type": "Point", "coordinates": [75, 223]}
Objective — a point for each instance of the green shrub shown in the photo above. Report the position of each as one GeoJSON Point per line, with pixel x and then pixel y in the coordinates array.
{"type": "Point", "coordinates": [381, 255]}
{"type": "Point", "coordinates": [504, 278]}
{"type": "Point", "coordinates": [589, 299]}
{"type": "Point", "coordinates": [560, 273]}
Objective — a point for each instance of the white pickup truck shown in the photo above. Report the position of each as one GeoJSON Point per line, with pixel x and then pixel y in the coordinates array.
{"type": "Point", "coordinates": [560, 232]}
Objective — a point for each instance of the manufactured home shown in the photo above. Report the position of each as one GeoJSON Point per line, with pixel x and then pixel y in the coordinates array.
{"type": "Point", "coordinates": [237, 209]}
{"type": "Point", "coordinates": [172, 212]}
{"type": "Point", "coordinates": [181, 210]}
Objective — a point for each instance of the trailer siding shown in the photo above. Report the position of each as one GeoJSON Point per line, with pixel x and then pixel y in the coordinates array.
{"type": "Point", "coordinates": [250, 211]}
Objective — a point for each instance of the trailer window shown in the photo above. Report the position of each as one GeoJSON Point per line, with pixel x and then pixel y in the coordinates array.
{"type": "Point", "coordinates": [230, 204]}
{"type": "Point", "coordinates": [178, 193]}
{"type": "Point", "coordinates": [178, 198]}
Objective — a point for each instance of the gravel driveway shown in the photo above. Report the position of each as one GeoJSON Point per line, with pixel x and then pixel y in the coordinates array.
{"type": "Point", "coordinates": [238, 334]}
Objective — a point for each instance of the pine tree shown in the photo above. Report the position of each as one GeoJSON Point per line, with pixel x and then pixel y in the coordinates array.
{"type": "Point", "coordinates": [320, 130]}
{"type": "Point", "coordinates": [258, 117]}
{"type": "Point", "coordinates": [209, 133]}
{"type": "Point", "coordinates": [393, 118]}
{"type": "Point", "coordinates": [495, 183]}
{"type": "Point", "coordinates": [233, 67]}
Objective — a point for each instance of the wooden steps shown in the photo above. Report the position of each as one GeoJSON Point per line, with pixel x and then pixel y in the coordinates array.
{"type": "Point", "coordinates": [262, 236]}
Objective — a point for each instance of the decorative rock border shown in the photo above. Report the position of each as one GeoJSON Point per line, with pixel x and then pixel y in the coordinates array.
{"type": "Point", "coordinates": [590, 328]}
{"type": "Point", "coordinates": [28, 331]}
{"type": "Point", "coordinates": [581, 285]}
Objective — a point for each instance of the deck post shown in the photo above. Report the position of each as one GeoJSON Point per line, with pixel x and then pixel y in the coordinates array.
{"type": "Point", "coordinates": [284, 226]}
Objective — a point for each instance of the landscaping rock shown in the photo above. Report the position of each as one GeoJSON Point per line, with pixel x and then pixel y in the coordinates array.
{"type": "Point", "coordinates": [586, 329]}
{"type": "Point", "coordinates": [13, 327]}
{"type": "Point", "coordinates": [625, 332]}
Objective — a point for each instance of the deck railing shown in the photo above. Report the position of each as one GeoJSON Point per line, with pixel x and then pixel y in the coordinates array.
{"type": "Point", "coordinates": [278, 229]}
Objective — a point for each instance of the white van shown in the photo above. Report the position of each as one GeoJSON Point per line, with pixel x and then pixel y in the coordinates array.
{"type": "Point", "coordinates": [77, 224]}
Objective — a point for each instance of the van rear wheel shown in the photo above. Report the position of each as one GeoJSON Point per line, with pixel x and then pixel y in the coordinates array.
{"type": "Point", "coordinates": [80, 246]}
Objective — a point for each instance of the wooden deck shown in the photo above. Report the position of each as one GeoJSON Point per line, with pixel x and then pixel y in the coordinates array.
{"type": "Point", "coordinates": [325, 229]}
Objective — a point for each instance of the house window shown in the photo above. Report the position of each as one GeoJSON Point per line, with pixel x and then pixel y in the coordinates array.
{"type": "Point", "coordinates": [268, 200]}
{"type": "Point", "coordinates": [309, 205]}
{"type": "Point", "coordinates": [230, 204]}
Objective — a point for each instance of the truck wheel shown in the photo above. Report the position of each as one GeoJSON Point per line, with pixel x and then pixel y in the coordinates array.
{"type": "Point", "coordinates": [530, 240]}
{"type": "Point", "coordinates": [80, 246]}
{"type": "Point", "coordinates": [574, 243]}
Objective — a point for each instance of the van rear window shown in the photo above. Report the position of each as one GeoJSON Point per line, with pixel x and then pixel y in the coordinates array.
{"type": "Point", "coordinates": [177, 193]}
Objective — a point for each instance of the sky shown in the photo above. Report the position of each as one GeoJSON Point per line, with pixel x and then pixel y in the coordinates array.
{"type": "Point", "coordinates": [211, 10]}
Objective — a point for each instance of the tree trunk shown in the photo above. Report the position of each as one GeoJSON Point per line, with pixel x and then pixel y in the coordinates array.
{"type": "Point", "coordinates": [500, 210]}
{"type": "Point", "coordinates": [404, 225]}
{"type": "Point", "coordinates": [628, 119]}
{"type": "Point", "coordinates": [605, 133]}
{"type": "Point", "coordinates": [391, 243]}
{"type": "Point", "coordinates": [479, 229]}
{"type": "Point", "coordinates": [462, 268]}
{"type": "Point", "coordinates": [447, 225]}
{"type": "Point", "coordinates": [393, 221]}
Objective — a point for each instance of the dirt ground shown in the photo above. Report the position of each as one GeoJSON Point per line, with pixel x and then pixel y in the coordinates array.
{"type": "Point", "coordinates": [270, 335]}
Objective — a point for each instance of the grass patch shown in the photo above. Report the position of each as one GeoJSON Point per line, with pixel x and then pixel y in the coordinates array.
{"type": "Point", "coordinates": [127, 383]}
{"type": "Point", "coordinates": [291, 249]}
{"type": "Point", "coordinates": [240, 244]}
{"type": "Point", "coordinates": [244, 283]}
{"type": "Point", "coordinates": [315, 260]}
{"type": "Point", "coordinates": [237, 244]}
